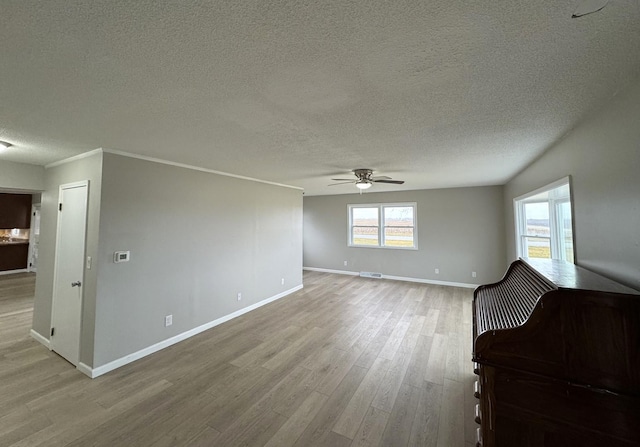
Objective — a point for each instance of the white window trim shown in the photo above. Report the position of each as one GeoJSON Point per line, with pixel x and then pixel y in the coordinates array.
{"type": "Point", "coordinates": [520, 224]}
{"type": "Point", "coordinates": [552, 185]}
{"type": "Point", "coordinates": [381, 227]}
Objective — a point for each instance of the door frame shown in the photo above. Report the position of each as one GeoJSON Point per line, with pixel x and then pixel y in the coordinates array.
{"type": "Point", "coordinates": [32, 236]}
{"type": "Point", "coordinates": [72, 185]}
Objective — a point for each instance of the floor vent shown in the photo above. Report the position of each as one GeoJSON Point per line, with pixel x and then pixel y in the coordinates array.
{"type": "Point", "coordinates": [370, 275]}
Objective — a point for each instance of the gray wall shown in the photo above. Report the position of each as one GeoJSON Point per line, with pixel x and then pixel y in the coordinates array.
{"type": "Point", "coordinates": [21, 176]}
{"type": "Point", "coordinates": [459, 231]}
{"type": "Point", "coordinates": [196, 240]}
{"type": "Point", "coordinates": [89, 168]}
{"type": "Point", "coordinates": [602, 156]}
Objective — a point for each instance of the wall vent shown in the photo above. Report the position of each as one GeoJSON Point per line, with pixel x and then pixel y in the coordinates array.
{"type": "Point", "coordinates": [371, 275]}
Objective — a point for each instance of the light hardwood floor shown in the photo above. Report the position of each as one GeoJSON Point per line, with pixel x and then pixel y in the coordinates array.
{"type": "Point", "coordinates": [346, 361]}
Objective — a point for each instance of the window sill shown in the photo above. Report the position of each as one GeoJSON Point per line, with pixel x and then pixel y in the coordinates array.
{"type": "Point", "coordinates": [385, 247]}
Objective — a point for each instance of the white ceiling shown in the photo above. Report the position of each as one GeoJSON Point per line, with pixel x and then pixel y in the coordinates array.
{"type": "Point", "coordinates": [437, 93]}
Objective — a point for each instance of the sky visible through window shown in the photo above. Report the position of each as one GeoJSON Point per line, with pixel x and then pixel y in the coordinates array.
{"type": "Point", "coordinates": [365, 213]}
{"type": "Point", "coordinates": [538, 210]}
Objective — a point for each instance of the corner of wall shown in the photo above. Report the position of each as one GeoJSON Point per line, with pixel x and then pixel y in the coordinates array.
{"type": "Point", "coordinates": [88, 167]}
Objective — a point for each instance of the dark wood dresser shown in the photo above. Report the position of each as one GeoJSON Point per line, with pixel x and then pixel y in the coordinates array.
{"type": "Point", "coordinates": [557, 353]}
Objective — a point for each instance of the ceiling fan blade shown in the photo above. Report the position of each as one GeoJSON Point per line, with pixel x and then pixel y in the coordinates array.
{"type": "Point", "coordinates": [587, 7]}
{"type": "Point", "coordinates": [344, 179]}
{"type": "Point", "coordinates": [341, 183]}
{"type": "Point", "coordinates": [395, 182]}
{"type": "Point", "coordinates": [380, 177]}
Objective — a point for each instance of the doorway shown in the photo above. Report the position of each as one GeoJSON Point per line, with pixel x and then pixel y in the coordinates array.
{"type": "Point", "coordinates": [66, 314]}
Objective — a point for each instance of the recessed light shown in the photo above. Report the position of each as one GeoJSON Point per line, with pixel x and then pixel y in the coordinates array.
{"type": "Point", "coordinates": [4, 145]}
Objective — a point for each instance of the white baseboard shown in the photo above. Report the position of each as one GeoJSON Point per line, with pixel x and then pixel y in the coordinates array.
{"type": "Point", "coordinates": [339, 272]}
{"type": "Point", "coordinates": [431, 281]}
{"type": "Point", "coordinates": [85, 369]}
{"type": "Point", "coordinates": [39, 338]}
{"type": "Point", "coordinates": [103, 369]}
{"type": "Point", "coordinates": [11, 272]}
{"type": "Point", "coordinates": [397, 278]}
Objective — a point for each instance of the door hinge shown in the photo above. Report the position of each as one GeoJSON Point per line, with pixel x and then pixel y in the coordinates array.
{"type": "Point", "coordinates": [53, 330]}
{"type": "Point", "coordinates": [60, 207]}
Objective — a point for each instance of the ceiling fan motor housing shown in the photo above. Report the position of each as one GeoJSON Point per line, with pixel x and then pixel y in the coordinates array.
{"type": "Point", "coordinates": [363, 174]}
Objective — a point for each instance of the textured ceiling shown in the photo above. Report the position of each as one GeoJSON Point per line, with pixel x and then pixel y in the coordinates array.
{"type": "Point", "coordinates": [437, 93]}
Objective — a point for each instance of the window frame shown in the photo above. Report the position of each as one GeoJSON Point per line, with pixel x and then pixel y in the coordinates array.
{"type": "Point", "coordinates": [381, 226]}
{"type": "Point", "coordinates": [556, 237]}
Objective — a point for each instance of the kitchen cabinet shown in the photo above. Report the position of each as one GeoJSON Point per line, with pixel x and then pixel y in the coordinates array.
{"type": "Point", "coordinates": [15, 211]}
{"type": "Point", "coordinates": [14, 256]}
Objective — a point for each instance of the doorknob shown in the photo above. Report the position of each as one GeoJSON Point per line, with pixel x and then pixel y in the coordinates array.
{"type": "Point", "coordinates": [76, 284]}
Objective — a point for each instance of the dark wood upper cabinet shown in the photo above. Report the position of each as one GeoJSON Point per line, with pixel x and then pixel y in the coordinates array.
{"type": "Point", "coordinates": [15, 211]}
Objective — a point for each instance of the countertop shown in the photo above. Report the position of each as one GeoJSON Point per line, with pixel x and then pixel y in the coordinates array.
{"type": "Point", "coordinates": [13, 241]}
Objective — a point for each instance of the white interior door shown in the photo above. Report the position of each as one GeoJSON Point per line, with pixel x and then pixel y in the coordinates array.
{"type": "Point", "coordinates": [69, 269]}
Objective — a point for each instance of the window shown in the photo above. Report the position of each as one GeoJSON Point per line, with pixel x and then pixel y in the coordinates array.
{"type": "Point", "coordinates": [544, 226]}
{"type": "Point", "coordinates": [387, 225]}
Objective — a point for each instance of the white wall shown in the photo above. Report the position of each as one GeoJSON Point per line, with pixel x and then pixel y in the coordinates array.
{"type": "Point", "coordinates": [602, 156]}
{"type": "Point", "coordinates": [460, 230]}
{"type": "Point", "coordinates": [196, 240]}
{"type": "Point", "coordinates": [89, 168]}
{"type": "Point", "coordinates": [21, 176]}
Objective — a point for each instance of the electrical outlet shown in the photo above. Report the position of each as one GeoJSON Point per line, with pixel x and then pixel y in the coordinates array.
{"type": "Point", "coordinates": [473, 274]}
{"type": "Point", "coordinates": [168, 320]}
{"type": "Point", "coordinates": [239, 296]}
{"type": "Point", "coordinates": [282, 281]}
{"type": "Point", "coordinates": [437, 271]}
{"type": "Point", "coordinates": [345, 263]}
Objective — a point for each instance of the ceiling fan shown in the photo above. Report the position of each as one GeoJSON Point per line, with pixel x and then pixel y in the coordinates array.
{"type": "Point", "coordinates": [364, 179]}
